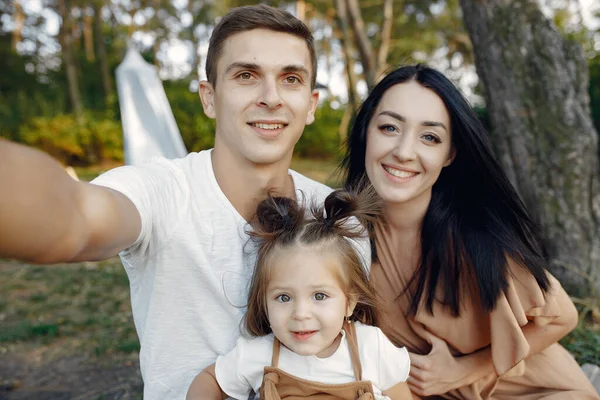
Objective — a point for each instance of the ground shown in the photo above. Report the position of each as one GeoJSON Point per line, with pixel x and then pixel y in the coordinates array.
{"type": "Point", "coordinates": [74, 377]}
{"type": "Point", "coordinates": [66, 332]}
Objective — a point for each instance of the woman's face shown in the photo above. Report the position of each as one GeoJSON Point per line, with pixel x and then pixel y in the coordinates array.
{"type": "Point", "coordinates": [408, 143]}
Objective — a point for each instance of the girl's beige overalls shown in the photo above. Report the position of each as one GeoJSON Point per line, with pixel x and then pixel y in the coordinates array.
{"type": "Point", "coordinates": [279, 385]}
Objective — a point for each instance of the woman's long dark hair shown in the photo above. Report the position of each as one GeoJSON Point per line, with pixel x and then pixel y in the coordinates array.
{"type": "Point", "coordinates": [475, 221]}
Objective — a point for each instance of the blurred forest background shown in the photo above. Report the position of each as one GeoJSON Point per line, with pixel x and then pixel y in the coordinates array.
{"type": "Point", "coordinates": [530, 68]}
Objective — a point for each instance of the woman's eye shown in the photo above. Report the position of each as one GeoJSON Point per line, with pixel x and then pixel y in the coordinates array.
{"type": "Point", "coordinates": [283, 298]}
{"type": "Point", "coordinates": [388, 128]}
{"type": "Point", "coordinates": [320, 296]}
{"type": "Point", "coordinates": [431, 138]}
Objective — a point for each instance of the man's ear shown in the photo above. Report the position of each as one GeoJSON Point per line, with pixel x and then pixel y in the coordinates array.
{"type": "Point", "coordinates": [451, 157]}
{"type": "Point", "coordinates": [207, 96]}
{"type": "Point", "coordinates": [314, 102]}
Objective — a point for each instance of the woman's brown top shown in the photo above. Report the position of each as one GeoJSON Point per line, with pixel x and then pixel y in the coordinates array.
{"type": "Point", "coordinates": [553, 373]}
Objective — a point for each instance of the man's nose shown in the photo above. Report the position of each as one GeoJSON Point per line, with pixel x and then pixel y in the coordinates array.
{"type": "Point", "coordinates": [269, 95]}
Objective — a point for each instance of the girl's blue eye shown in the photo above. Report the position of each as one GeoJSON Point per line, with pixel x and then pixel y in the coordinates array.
{"type": "Point", "coordinates": [283, 298]}
{"type": "Point", "coordinates": [320, 296]}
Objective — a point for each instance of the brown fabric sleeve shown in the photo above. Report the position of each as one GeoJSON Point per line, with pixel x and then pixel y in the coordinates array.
{"type": "Point", "coordinates": [523, 302]}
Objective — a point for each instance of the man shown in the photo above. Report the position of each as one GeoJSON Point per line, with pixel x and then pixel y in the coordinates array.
{"type": "Point", "coordinates": [179, 225]}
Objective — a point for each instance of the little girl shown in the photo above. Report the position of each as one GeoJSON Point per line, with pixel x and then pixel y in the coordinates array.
{"type": "Point", "coordinates": [310, 312]}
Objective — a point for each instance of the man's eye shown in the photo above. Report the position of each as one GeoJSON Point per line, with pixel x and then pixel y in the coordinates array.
{"type": "Point", "coordinates": [291, 79]}
{"type": "Point", "coordinates": [245, 75]}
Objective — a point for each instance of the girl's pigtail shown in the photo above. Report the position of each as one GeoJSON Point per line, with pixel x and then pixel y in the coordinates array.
{"type": "Point", "coordinates": [277, 219]}
{"type": "Point", "coordinates": [348, 213]}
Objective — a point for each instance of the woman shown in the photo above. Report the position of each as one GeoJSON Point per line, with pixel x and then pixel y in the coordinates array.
{"type": "Point", "coordinates": [458, 260]}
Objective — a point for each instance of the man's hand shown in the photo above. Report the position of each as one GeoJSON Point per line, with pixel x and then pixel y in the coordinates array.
{"type": "Point", "coordinates": [48, 217]}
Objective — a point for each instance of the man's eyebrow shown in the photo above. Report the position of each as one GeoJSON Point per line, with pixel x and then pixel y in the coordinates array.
{"type": "Point", "coordinates": [242, 65]}
{"type": "Point", "coordinates": [296, 68]}
{"type": "Point", "coordinates": [402, 119]}
{"type": "Point", "coordinates": [255, 67]}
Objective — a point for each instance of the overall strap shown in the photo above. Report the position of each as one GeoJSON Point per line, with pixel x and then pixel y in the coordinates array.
{"type": "Point", "coordinates": [275, 357]}
{"type": "Point", "coordinates": [353, 347]}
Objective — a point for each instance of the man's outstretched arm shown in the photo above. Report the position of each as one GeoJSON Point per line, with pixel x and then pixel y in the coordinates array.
{"type": "Point", "coordinates": [47, 217]}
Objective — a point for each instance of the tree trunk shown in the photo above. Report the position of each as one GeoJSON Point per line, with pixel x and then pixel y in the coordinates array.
{"type": "Point", "coordinates": [154, 24]}
{"type": "Point", "coordinates": [386, 36]}
{"type": "Point", "coordinates": [365, 48]}
{"type": "Point", "coordinates": [66, 42]}
{"type": "Point", "coordinates": [101, 49]}
{"type": "Point", "coordinates": [88, 34]}
{"type": "Point", "coordinates": [301, 10]}
{"type": "Point", "coordinates": [536, 89]}
{"type": "Point", "coordinates": [342, 19]}
{"type": "Point", "coordinates": [195, 61]}
{"type": "Point", "coordinates": [19, 21]}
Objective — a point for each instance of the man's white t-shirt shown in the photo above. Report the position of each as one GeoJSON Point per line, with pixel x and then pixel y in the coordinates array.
{"type": "Point", "coordinates": [190, 267]}
{"type": "Point", "coordinates": [383, 364]}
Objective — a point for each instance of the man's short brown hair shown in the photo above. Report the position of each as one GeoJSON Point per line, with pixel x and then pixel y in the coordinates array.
{"type": "Point", "coordinates": [246, 18]}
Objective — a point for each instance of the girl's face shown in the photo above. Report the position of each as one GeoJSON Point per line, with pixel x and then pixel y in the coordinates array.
{"type": "Point", "coordinates": [408, 143]}
{"type": "Point", "coordinates": [306, 303]}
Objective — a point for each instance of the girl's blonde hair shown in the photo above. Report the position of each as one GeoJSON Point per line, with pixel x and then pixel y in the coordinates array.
{"type": "Point", "coordinates": [281, 223]}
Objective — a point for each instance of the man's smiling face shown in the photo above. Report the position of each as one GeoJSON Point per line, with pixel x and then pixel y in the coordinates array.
{"type": "Point", "coordinates": [262, 99]}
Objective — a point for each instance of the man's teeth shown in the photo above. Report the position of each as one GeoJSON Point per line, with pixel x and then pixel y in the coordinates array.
{"type": "Point", "coordinates": [268, 126]}
{"type": "Point", "coordinates": [399, 173]}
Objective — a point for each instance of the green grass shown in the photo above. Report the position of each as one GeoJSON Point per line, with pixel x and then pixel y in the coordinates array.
{"type": "Point", "coordinates": [82, 307]}
{"type": "Point", "coordinates": [584, 341]}
{"type": "Point", "coordinates": [25, 330]}
{"type": "Point", "coordinates": [584, 344]}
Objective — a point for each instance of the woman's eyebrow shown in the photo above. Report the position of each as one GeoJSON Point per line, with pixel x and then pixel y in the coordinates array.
{"type": "Point", "coordinates": [400, 118]}
{"type": "Point", "coordinates": [393, 115]}
{"type": "Point", "coordinates": [434, 123]}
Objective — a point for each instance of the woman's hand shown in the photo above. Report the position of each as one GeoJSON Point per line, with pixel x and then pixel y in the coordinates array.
{"type": "Point", "coordinates": [437, 372]}
{"type": "Point", "coordinates": [440, 372]}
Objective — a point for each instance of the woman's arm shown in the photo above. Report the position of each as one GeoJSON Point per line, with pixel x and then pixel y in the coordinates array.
{"type": "Point", "coordinates": [205, 386]}
{"type": "Point", "coordinates": [439, 372]}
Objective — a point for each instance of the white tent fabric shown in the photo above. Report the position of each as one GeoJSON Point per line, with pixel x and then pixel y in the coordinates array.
{"type": "Point", "coordinates": [149, 128]}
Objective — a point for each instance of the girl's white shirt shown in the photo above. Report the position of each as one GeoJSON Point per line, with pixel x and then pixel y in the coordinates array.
{"type": "Point", "coordinates": [241, 370]}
